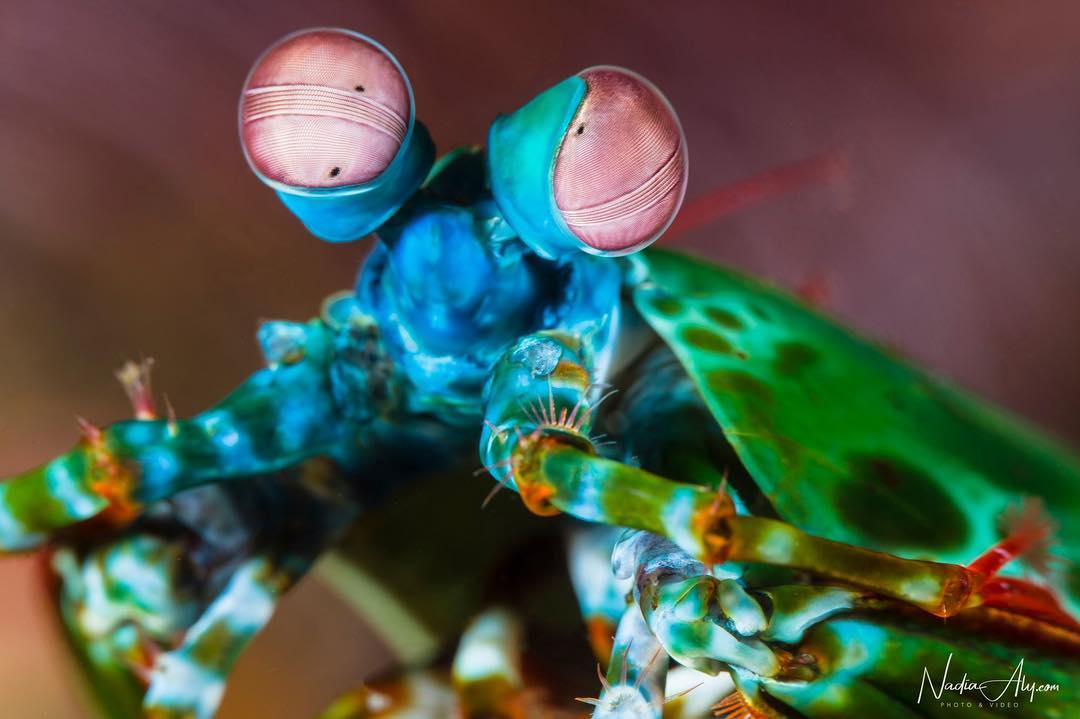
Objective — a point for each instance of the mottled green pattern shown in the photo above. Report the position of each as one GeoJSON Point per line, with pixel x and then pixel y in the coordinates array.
{"type": "Point", "coordinates": [880, 660]}
{"type": "Point", "coordinates": [847, 441]}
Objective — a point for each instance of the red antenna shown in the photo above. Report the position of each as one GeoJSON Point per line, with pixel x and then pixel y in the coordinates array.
{"type": "Point", "coordinates": [827, 168]}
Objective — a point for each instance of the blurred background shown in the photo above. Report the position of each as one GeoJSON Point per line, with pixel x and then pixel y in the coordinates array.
{"type": "Point", "coordinates": [130, 225]}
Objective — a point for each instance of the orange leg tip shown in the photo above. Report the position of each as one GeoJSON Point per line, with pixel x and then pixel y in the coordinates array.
{"type": "Point", "coordinates": [537, 498]}
{"type": "Point", "coordinates": [958, 593]}
{"type": "Point", "coordinates": [712, 524]}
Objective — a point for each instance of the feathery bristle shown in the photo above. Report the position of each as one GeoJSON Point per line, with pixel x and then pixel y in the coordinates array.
{"type": "Point", "coordinates": [1030, 525]}
{"type": "Point", "coordinates": [603, 679]}
{"type": "Point", "coordinates": [135, 379]}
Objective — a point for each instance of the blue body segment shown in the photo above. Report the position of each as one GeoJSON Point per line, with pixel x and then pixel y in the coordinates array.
{"type": "Point", "coordinates": [443, 338]}
{"type": "Point", "coordinates": [522, 149]}
{"type": "Point", "coordinates": [344, 214]}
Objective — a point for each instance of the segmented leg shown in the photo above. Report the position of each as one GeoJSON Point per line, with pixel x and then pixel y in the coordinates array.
{"type": "Point", "coordinates": [119, 604]}
{"type": "Point", "coordinates": [312, 399]}
{"type": "Point", "coordinates": [174, 599]}
{"type": "Point", "coordinates": [561, 476]}
{"type": "Point", "coordinates": [543, 385]}
{"type": "Point", "coordinates": [681, 603]}
{"type": "Point", "coordinates": [189, 681]}
{"type": "Point", "coordinates": [823, 651]}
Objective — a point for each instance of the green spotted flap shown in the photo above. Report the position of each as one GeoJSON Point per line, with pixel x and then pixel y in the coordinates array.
{"type": "Point", "coordinates": [846, 440]}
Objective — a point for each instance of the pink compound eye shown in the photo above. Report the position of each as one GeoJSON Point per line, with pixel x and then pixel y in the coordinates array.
{"type": "Point", "coordinates": [324, 108]}
{"type": "Point", "coordinates": [620, 174]}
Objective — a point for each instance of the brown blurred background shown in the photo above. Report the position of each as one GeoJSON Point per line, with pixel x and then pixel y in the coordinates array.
{"type": "Point", "coordinates": [129, 224]}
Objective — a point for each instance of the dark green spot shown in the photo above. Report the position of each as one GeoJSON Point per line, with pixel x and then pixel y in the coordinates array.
{"type": "Point", "coordinates": [793, 358]}
{"type": "Point", "coordinates": [760, 313]}
{"type": "Point", "coordinates": [896, 505]}
{"type": "Point", "coordinates": [749, 407]}
{"type": "Point", "coordinates": [706, 339]}
{"type": "Point", "coordinates": [667, 305]}
{"type": "Point", "coordinates": [747, 397]}
{"type": "Point", "coordinates": [724, 318]}
{"type": "Point", "coordinates": [743, 386]}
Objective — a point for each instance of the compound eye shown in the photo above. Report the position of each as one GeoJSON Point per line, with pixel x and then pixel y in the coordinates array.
{"type": "Point", "coordinates": [324, 108]}
{"type": "Point", "coordinates": [620, 174]}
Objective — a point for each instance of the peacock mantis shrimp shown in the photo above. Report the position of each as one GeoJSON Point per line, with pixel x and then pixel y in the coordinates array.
{"type": "Point", "coordinates": [764, 515]}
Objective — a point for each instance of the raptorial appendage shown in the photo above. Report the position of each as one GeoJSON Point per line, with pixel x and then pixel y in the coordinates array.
{"type": "Point", "coordinates": [704, 523]}
{"type": "Point", "coordinates": [161, 597]}
{"type": "Point", "coordinates": [322, 383]}
{"type": "Point", "coordinates": [542, 387]}
{"type": "Point", "coordinates": [687, 567]}
{"type": "Point", "coordinates": [161, 610]}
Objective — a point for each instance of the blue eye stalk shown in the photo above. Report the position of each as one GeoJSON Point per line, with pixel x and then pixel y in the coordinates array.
{"type": "Point", "coordinates": [350, 213]}
{"type": "Point", "coordinates": [327, 120]}
{"type": "Point", "coordinates": [521, 154]}
{"type": "Point", "coordinates": [597, 163]}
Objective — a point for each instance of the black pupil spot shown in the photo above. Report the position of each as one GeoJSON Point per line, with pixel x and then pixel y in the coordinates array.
{"type": "Point", "coordinates": [580, 129]}
{"type": "Point", "coordinates": [335, 172]}
{"type": "Point", "coordinates": [359, 88]}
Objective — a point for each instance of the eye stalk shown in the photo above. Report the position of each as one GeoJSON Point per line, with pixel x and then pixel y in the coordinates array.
{"type": "Point", "coordinates": [327, 120]}
{"type": "Point", "coordinates": [596, 163]}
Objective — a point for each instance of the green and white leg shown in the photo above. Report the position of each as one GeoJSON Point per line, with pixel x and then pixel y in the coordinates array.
{"type": "Point", "coordinates": [312, 399]}
{"type": "Point", "coordinates": [542, 387]}
{"type": "Point", "coordinates": [188, 682]}
{"type": "Point", "coordinates": [704, 523]}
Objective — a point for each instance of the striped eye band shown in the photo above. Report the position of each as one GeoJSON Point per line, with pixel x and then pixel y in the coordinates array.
{"type": "Point", "coordinates": [642, 198]}
{"type": "Point", "coordinates": [317, 101]}
{"type": "Point", "coordinates": [620, 172]}
{"type": "Point", "coordinates": [324, 108]}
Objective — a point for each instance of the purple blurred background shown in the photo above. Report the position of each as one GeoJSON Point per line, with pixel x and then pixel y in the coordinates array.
{"type": "Point", "coordinates": [129, 224]}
